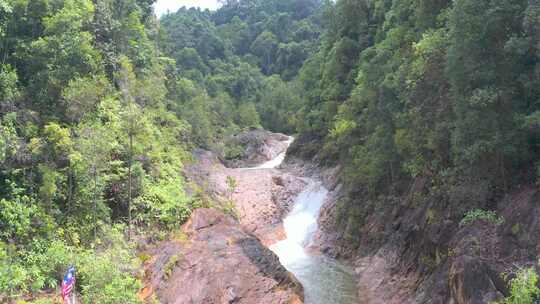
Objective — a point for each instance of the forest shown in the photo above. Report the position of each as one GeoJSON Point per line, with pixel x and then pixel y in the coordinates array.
{"type": "Point", "coordinates": [102, 102]}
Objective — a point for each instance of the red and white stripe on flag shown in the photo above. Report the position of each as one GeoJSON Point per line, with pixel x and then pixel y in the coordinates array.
{"type": "Point", "coordinates": [67, 284]}
{"type": "Point", "coordinates": [67, 289]}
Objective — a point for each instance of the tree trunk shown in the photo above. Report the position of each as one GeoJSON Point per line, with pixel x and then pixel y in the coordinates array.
{"type": "Point", "coordinates": [129, 184]}
{"type": "Point", "coordinates": [391, 172]}
{"type": "Point", "coordinates": [70, 189]}
{"type": "Point", "coordinates": [94, 198]}
{"type": "Point", "coordinates": [502, 170]}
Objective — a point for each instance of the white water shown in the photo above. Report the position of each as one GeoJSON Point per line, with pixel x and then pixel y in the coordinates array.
{"type": "Point", "coordinates": [325, 280]}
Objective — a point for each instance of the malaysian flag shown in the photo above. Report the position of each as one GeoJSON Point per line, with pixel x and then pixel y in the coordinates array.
{"type": "Point", "coordinates": [68, 283]}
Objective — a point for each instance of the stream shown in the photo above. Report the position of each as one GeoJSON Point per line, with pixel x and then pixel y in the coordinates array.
{"type": "Point", "coordinates": [325, 281]}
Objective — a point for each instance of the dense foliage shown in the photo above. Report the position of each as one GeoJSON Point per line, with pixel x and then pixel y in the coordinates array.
{"type": "Point", "coordinates": [243, 55]}
{"type": "Point", "coordinates": [101, 102]}
{"type": "Point", "coordinates": [431, 108]}
{"type": "Point", "coordinates": [88, 140]}
{"type": "Point", "coordinates": [407, 88]}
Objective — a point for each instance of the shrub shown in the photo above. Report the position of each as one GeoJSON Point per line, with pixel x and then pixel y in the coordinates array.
{"type": "Point", "coordinates": [13, 276]}
{"type": "Point", "coordinates": [523, 288]}
{"type": "Point", "coordinates": [233, 151]}
{"type": "Point", "coordinates": [106, 274]}
{"type": "Point", "coordinates": [485, 215]}
{"type": "Point", "coordinates": [229, 208]}
{"type": "Point", "coordinates": [164, 204]}
{"type": "Point", "coordinates": [30, 271]}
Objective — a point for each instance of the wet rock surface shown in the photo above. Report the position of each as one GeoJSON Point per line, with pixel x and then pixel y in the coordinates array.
{"type": "Point", "coordinates": [261, 198]}
{"type": "Point", "coordinates": [258, 146]}
{"type": "Point", "coordinates": [221, 254]}
{"type": "Point", "coordinates": [219, 262]}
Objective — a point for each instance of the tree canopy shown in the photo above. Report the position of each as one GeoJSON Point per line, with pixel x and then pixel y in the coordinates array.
{"type": "Point", "coordinates": [101, 104]}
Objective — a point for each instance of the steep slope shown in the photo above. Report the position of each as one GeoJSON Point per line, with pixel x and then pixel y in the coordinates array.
{"type": "Point", "coordinates": [218, 262]}
{"type": "Point", "coordinates": [429, 111]}
{"type": "Point", "coordinates": [418, 248]}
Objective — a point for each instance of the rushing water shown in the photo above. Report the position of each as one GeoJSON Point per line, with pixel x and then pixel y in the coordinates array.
{"type": "Point", "coordinates": [325, 281]}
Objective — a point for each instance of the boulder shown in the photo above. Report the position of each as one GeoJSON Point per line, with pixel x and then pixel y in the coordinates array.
{"type": "Point", "coordinates": [259, 146]}
{"type": "Point", "coordinates": [472, 281]}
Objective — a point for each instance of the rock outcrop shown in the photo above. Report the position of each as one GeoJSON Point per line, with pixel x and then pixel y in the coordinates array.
{"type": "Point", "coordinates": [219, 263]}
{"type": "Point", "coordinates": [423, 254]}
{"type": "Point", "coordinates": [258, 146]}
{"type": "Point", "coordinates": [411, 247]}
{"type": "Point", "coordinates": [220, 256]}
{"type": "Point", "coordinates": [260, 199]}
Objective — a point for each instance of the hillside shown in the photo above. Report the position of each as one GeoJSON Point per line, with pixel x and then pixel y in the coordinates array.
{"type": "Point", "coordinates": [416, 120]}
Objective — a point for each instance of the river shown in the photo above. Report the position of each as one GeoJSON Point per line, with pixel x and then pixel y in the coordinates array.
{"type": "Point", "coordinates": [325, 281]}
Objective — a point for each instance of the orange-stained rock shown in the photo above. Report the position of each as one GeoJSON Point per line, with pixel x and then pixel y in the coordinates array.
{"type": "Point", "coordinates": [220, 264]}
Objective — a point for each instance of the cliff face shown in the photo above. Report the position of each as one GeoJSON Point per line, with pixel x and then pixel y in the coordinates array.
{"type": "Point", "coordinates": [218, 262]}
{"type": "Point", "coordinates": [414, 247]}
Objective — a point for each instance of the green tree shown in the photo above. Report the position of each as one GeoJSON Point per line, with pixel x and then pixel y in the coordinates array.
{"type": "Point", "coordinates": [49, 71]}
{"type": "Point", "coordinates": [83, 95]}
{"type": "Point", "coordinates": [248, 117]}
{"type": "Point", "coordinates": [265, 46]}
{"type": "Point", "coordinates": [481, 74]}
{"type": "Point", "coordinates": [279, 100]}
{"type": "Point", "coordinates": [94, 145]}
{"type": "Point", "coordinates": [8, 137]}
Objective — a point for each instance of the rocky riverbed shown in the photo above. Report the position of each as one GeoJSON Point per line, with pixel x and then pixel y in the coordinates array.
{"type": "Point", "coordinates": [221, 254]}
